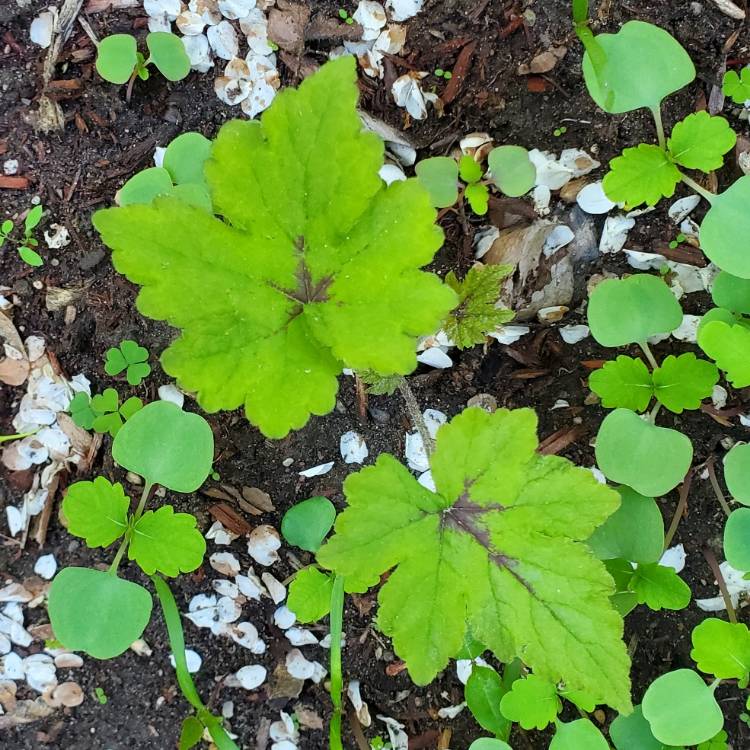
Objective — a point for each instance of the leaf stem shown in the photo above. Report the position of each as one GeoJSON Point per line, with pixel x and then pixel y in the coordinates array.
{"type": "Point", "coordinates": [716, 487]}
{"type": "Point", "coordinates": [656, 112]}
{"type": "Point", "coordinates": [654, 412]}
{"type": "Point", "coordinates": [649, 356]}
{"type": "Point", "coordinates": [129, 532]}
{"type": "Point", "coordinates": [142, 502]}
{"type": "Point", "coordinates": [416, 416]}
{"type": "Point", "coordinates": [184, 679]}
{"type": "Point", "coordinates": [693, 185]}
{"type": "Point", "coordinates": [680, 509]}
{"type": "Point", "coordinates": [716, 570]}
{"type": "Point", "coordinates": [337, 681]}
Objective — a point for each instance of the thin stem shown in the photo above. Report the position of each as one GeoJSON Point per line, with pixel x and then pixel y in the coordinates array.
{"type": "Point", "coordinates": [142, 502]}
{"type": "Point", "coordinates": [649, 356]}
{"type": "Point", "coordinates": [120, 552]}
{"type": "Point", "coordinates": [716, 570]}
{"type": "Point", "coordinates": [129, 532]}
{"type": "Point", "coordinates": [680, 509]}
{"type": "Point", "coordinates": [184, 679]}
{"type": "Point", "coordinates": [693, 185]}
{"type": "Point", "coordinates": [416, 416]}
{"type": "Point", "coordinates": [717, 488]}
{"type": "Point", "coordinates": [654, 412]}
{"type": "Point", "coordinates": [656, 112]}
{"type": "Point", "coordinates": [337, 680]}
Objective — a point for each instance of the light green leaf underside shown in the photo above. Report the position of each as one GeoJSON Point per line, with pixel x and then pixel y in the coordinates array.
{"type": "Point", "coordinates": [167, 542]}
{"type": "Point", "coordinates": [643, 174]}
{"type": "Point", "coordinates": [497, 548]}
{"type": "Point", "coordinates": [623, 382]}
{"type": "Point", "coordinates": [314, 251]}
{"type": "Point", "coordinates": [96, 511]}
{"type": "Point", "coordinates": [626, 80]}
{"type": "Point", "coordinates": [700, 141]}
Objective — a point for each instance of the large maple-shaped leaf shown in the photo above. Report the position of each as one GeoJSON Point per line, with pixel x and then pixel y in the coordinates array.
{"type": "Point", "coordinates": [314, 267]}
{"type": "Point", "coordinates": [498, 549]}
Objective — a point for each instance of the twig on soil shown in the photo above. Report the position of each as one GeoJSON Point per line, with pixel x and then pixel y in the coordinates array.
{"type": "Point", "coordinates": [359, 735]}
{"type": "Point", "coordinates": [361, 392]}
{"type": "Point", "coordinates": [716, 570]}
{"type": "Point", "coordinates": [90, 33]}
{"type": "Point", "coordinates": [716, 487]}
{"type": "Point", "coordinates": [680, 509]}
{"type": "Point", "coordinates": [460, 69]}
{"type": "Point", "coordinates": [415, 415]}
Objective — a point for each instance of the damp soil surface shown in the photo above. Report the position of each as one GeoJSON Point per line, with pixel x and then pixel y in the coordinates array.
{"type": "Point", "coordinates": [106, 139]}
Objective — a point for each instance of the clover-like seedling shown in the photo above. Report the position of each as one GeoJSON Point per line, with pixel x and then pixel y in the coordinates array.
{"type": "Point", "coordinates": [345, 17]}
{"type": "Point", "coordinates": [119, 61]}
{"type": "Point", "coordinates": [25, 246]}
{"type": "Point", "coordinates": [737, 85]}
{"type": "Point", "coordinates": [444, 74]}
{"type": "Point", "coordinates": [509, 169]}
{"type": "Point", "coordinates": [471, 548]}
{"type": "Point", "coordinates": [131, 358]}
{"type": "Point", "coordinates": [104, 412]}
{"type": "Point", "coordinates": [478, 311]}
{"type": "Point", "coordinates": [323, 251]}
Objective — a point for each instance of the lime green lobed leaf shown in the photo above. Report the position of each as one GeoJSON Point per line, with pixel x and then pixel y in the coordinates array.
{"type": "Point", "coordinates": [531, 702]}
{"type": "Point", "coordinates": [659, 587]}
{"type": "Point", "coordinates": [729, 346]}
{"type": "Point", "coordinates": [625, 80]}
{"type": "Point", "coordinates": [496, 549]}
{"type": "Point", "coordinates": [700, 141]}
{"type": "Point", "coordinates": [581, 734]}
{"type": "Point", "coordinates": [725, 228]}
{"type": "Point", "coordinates": [737, 85]}
{"type": "Point", "coordinates": [97, 612]}
{"type": "Point", "coordinates": [168, 54]}
{"type": "Point", "coordinates": [737, 472]}
{"type": "Point", "coordinates": [737, 539]}
{"type": "Point", "coordinates": [722, 649]}
{"type": "Point", "coordinates": [634, 532]}
{"type": "Point", "coordinates": [642, 174]}
{"type": "Point", "coordinates": [511, 170]}
{"type": "Point", "coordinates": [683, 382]}
{"type": "Point", "coordinates": [313, 252]}
{"type": "Point", "coordinates": [439, 176]}
{"type": "Point", "coordinates": [477, 313]}
{"type": "Point", "coordinates": [478, 196]}
{"type": "Point", "coordinates": [167, 542]}
{"type": "Point", "coordinates": [310, 594]}
{"type": "Point", "coordinates": [718, 742]}
{"type": "Point", "coordinates": [623, 382]}
{"type": "Point", "coordinates": [631, 451]}
{"type": "Point", "coordinates": [469, 170]}
{"type": "Point", "coordinates": [630, 310]}
{"type": "Point", "coordinates": [116, 57]}
{"type": "Point", "coordinates": [681, 709]}
{"type": "Point", "coordinates": [483, 692]}
{"type": "Point", "coordinates": [96, 511]}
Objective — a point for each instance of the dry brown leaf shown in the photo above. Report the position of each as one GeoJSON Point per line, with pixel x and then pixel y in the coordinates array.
{"type": "Point", "coordinates": [230, 519]}
{"type": "Point", "coordinates": [259, 499]}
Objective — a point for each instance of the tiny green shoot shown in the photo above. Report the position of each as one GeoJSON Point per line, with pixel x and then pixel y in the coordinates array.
{"type": "Point", "coordinates": [100, 695]}
{"type": "Point", "coordinates": [26, 244]}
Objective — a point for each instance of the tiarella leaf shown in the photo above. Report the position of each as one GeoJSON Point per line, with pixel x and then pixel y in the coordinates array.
{"type": "Point", "coordinates": [310, 594]}
{"type": "Point", "coordinates": [531, 702]}
{"type": "Point", "coordinates": [96, 511]}
{"type": "Point", "coordinates": [722, 649]}
{"type": "Point", "coordinates": [729, 347]}
{"type": "Point", "coordinates": [167, 542]}
{"type": "Point", "coordinates": [683, 382]}
{"type": "Point", "coordinates": [321, 253]}
{"type": "Point", "coordinates": [624, 382]}
{"type": "Point", "coordinates": [497, 549]}
{"type": "Point", "coordinates": [477, 313]}
{"type": "Point", "coordinates": [659, 587]}
{"type": "Point", "coordinates": [700, 141]}
{"type": "Point", "coordinates": [643, 174]}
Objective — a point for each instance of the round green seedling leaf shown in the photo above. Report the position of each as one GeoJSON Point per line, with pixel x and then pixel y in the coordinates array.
{"type": "Point", "coordinates": [629, 311]}
{"type": "Point", "coordinates": [725, 226]}
{"type": "Point", "coordinates": [310, 594]}
{"type": "Point", "coordinates": [624, 383]}
{"type": "Point", "coordinates": [144, 186]}
{"type": "Point", "coordinates": [737, 472]}
{"type": "Point", "coordinates": [700, 141]}
{"type": "Point", "coordinates": [488, 743]}
{"type": "Point", "coordinates": [731, 293]}
{"type": "Point", "coordinates": [511, 170]}
{"type": "Point", "coordinates": [168, 54]}
{"type": "Point", "coordinates": [578, 735]}
{"type": "Point", "coordinates": [737, 539]}
{"type": "Point", "coordinates": [634, 532]}
{"type": "Point", "coordinates": [483, 692]}
{"type": "Point", "coordinates": [97, 612]}
{"type": "Point", "coordinates": [728, 344]}
{"type": "Point", "coordinates": [166, 446]}
{"type": "Point", "coordinates": [683, 382]}
{"type": "Point", "coordinates": [185, 157]}
{"type": "Point", "coordinates": [652, 460]}
{"type": "Point", "coordinates": [116, 58]}
{"type": "Point", "coordinates": [625, 79]}
{"type": "Point", "coordinates": [469, 170]}
{"type": "Point", "coordinates": [681, 709]}
{"type": "Point", "coordinates": [96, 511]}
{"type": "Point", "coordinates": [532, 702]}
{"type": "Point", "coordinates": [306, 524]}
{"type": "Point", "coordinates": [439, 174]}
{"type": "Point", "coordinates": [633, 731]}
{"type": "Point", "coordinates": [722, 649]}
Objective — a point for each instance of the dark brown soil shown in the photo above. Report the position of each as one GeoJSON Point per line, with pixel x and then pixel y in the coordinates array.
{"type": "Point", "coordinates": [106, 140]}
